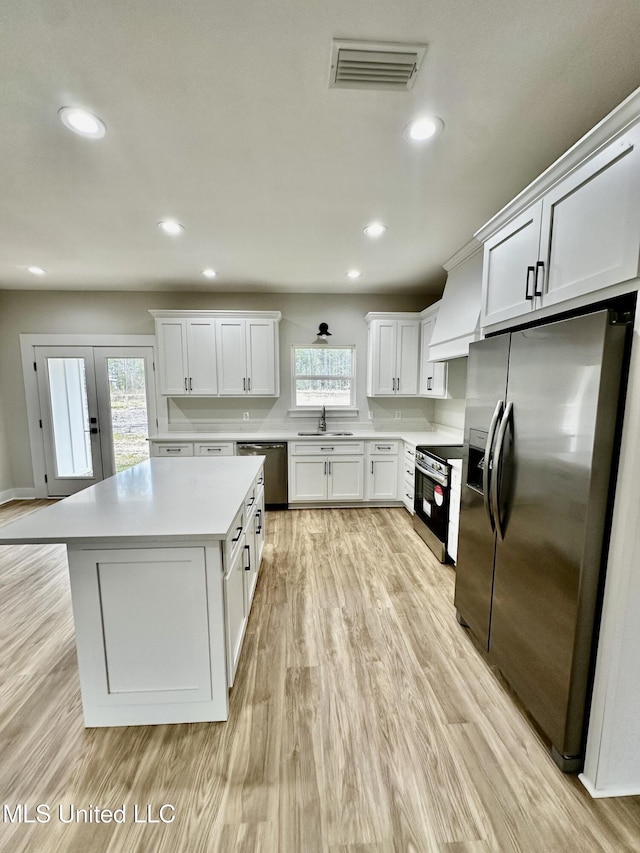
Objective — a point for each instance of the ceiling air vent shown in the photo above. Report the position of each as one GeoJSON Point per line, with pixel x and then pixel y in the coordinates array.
{"type": "Point", "coordinates": [372, 65]}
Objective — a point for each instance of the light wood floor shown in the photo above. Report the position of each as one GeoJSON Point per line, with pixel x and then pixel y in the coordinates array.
{"type": "Point", "coordinates": [363, 720]}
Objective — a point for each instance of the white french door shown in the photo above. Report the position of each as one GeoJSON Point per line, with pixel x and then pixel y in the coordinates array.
{"type": "Point", "coordinates": [96, 404]}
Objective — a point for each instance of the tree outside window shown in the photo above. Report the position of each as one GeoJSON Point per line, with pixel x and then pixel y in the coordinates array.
{"type": "Point", "coordinates": [323, 376]}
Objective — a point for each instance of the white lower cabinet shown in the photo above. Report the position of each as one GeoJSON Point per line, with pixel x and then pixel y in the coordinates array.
{"type": "Point", "coordinates": [235, 608]}
{"type": "Point", "coordinates": [382, 470]}
{"type": "Point", "coordinates": [254, 544]}
{"type": "Point", "coordinates": [408, 476]}
{"type": "Point", "coordinates": [454, 508]}
{"type": "Point", "coordinates": [325, 478]}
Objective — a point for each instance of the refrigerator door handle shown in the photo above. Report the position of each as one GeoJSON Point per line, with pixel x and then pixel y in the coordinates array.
{"type": "Point", "coordinates": [486, 470]}
{"type": "Point", "coordinates": [495, 471]}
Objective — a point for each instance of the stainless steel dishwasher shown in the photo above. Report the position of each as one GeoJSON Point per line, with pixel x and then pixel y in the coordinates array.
{"type": "Point", "coordinates": [275, 470]}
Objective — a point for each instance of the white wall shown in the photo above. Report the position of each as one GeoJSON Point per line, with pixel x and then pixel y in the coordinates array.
{"type": "Point", "coordinates": [76, 312]}
{"type": "Point", "coordinates": [6, 479]}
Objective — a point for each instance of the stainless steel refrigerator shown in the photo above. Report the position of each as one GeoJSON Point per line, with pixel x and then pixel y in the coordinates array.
{"type": "Point", "coordinates": [539, 459]}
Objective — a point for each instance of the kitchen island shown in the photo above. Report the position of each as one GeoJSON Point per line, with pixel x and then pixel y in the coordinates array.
{"type": "Point", "coordinates": [163, 561]}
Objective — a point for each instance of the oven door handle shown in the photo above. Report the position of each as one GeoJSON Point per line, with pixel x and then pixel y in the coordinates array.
{"type": "Point", "coordinates": [441, 479]}
{"type": "Point", "coordinates": [488, 463]}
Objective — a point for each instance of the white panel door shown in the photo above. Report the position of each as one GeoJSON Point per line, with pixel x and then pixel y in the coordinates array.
{"type": "Point", "coordinates": [235, 611]}
{"type": "Point", "coordinates": [231, 351]}
{"type": "Point", "coordinates": [591, 223]}
{"type": "Point", "coordinates": [261, 358]}
{"type": "Point", "coordinates": [201, 337]}
{"type": "Point", "coordinates": [144, 626]}
{"type": "Point", "coordinates": [383, 360]}
{"type": "Point", "coordinates": [308, 478]}
{"type": "Point", "coordinates": [346, 478]}
{"type": "Point", "coordinates": [407, 357]}
{"type": "Point", "coordinates": [433, 374]}
{"type": "Point", "coordinates": [172, 356]}
{"type": "Point", "coordinates": [510, 258]}
{"type": "Point", "coordinates": [383, 478]}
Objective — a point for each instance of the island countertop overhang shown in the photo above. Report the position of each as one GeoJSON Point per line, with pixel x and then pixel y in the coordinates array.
{"type": "Point", "coordinates": [165, 500]}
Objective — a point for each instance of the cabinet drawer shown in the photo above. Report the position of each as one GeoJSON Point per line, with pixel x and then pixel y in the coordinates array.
{"type": "Point", "coordinates": [325, 448]}
{"type": "Point", "coordinates": [386, 447]}
{"type": "Point", "coordinates": [406, 495]}
{"type": "Point", "coordinates": [174, 448]}
{"type": "Point", "coordinates": [235, 539]}
{"type": "Point", "coordinates": [224, 448]}
{"type": "Point", "coordinates": [409, 472]}
{"type": "Point", "coordinates": [410, 453]}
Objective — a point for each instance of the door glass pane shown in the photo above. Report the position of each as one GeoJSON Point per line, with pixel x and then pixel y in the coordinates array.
{"type": "Point", "coordinates": [70, 417]}
{"type": "Point", "coordinates": [129, 422]}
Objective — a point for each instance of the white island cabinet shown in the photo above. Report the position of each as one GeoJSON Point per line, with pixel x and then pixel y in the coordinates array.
{"type": "Point", "coordinates": [152, 552]}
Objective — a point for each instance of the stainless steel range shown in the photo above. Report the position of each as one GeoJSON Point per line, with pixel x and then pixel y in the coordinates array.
{"type": "Point", "coordinates": [432, 497]}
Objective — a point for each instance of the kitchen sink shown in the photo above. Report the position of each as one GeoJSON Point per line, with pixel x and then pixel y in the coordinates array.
{"type": "Point", "coordinates": [321, 434]}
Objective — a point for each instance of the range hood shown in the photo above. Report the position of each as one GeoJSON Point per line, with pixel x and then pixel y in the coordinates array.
{"type": "Point", "coordinates": [458, 320]}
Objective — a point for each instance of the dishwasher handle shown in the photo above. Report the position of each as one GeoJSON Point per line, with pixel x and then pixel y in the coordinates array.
{"type": "Point", "coordinates": [265, 446]}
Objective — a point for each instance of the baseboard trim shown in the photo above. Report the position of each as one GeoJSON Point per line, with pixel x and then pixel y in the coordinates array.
{"type": "Point", "coordinates": [17, 495]}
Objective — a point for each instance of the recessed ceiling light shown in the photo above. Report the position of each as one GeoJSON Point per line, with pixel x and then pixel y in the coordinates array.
{"type": "Point", "coordinates": [36, 270]}
{"type": "Point", "coordinates": [209, 273]}
{"type": "Point", "coordinates": [171, 226]}
{"type": "Point", "coordinates": [423, 129]}
{"type": "Point", "coordinates": [82, 122]}
{"type": "Point", "coordinates": [353, 274]}
{"type": "Point", "coordinates": [374, 230]}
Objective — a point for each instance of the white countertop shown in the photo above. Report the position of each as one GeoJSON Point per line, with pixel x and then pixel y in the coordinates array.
{"type": "Point", "coordinates": [168, 500]}
{"type": "Point", "coordinates": [433, 437]}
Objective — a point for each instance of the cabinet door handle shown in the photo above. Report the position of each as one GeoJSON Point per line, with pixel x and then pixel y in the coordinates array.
{"type": "Point", "coordinates": [429, 383]}
{"type": "Point", "coordinates": [329, 467]}
{"type": "Point", "coordinates": [249, 383]}
{"type": "Point", "coordinates": [244, 384]}
{"type": "Point", "coordinates": [251, 502]}
{"type": "Point", "coordinates": [247, 568]}
{"type": "Point", "coordinates": [190, 384]}
{"type": "Point", "coordinates": [239, 529]}
{"type": "Point", "coordinates": [327, 448]}
{"type": "Point", "coordinates": [259, 518]}
{"type": "Point", "coordinates": [173, 450]}
{"type": "Point", "coordinates": [372, 466]}
{"type": "Point", "coordinates": [393, 384]}
{"type": "Point", "coordinates": [325, 467]}
{"type": "Point", "coordinates": [186, 387]}
{"type": "Point", "coordinates": [528, 293]}
{"type": "Point", "coordinates": [539, 269]}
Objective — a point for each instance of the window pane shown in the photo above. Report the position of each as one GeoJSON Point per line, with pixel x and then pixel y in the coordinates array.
{"type": "Point", "coordinates": [323, 361]}
{"type": "Point", "coordinates": [323, 392]}
{"type": "Point", "coordinates": [128, 411]}
{"type": "Point", "coordinates": [70, 417]}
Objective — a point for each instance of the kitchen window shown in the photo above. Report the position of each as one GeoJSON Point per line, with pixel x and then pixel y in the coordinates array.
{"type": "Point", "coordinates": [323, 376]}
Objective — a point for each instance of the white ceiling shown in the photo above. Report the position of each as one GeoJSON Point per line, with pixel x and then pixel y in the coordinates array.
{"type": "Point", "coordinates": [219, 114]}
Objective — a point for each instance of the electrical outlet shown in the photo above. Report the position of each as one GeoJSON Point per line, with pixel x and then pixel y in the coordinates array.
{"type": "Point", "coordinates": [398, 415]}
{"type": "Point", "coordinates": [245, 416]}
{"type": "Point", "coordinates": [370, 416]}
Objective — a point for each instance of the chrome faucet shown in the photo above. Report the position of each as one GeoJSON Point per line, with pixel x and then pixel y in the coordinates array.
{"type": "Point", "coordinates": [322, 426]}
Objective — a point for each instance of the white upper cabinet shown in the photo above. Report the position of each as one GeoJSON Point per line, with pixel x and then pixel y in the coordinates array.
{"type": "Point", "coordinates": [392, 362]}
{"type": "Point", "coordinates": [247, 357]}
{"type": "Point", "coordinates": [591, 224]}
{"type": "Point", "coordinates": [579, 235]}
{"type": "Point", "coordinates": [433, 374]}
{"type": "Point", "coordinates": [218, 353]}
{"type": "Point", "coordinates": [187, 356]}
{"type": "Point", "coordinates": [510, 259]}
